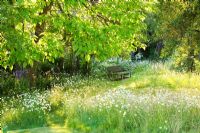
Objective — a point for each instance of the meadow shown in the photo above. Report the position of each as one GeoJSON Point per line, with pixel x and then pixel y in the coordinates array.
{"type": "Point", "coordinates": [57, 60]}
{"type": "Point", "coordinates": [156, 99]}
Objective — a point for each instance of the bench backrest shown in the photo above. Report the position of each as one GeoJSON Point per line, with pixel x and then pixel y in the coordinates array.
{"type": "Point", "coordinates": [112, 69]}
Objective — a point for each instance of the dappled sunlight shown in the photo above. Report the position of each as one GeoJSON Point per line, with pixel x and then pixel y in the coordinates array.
{"type": "Point", "coordinates": [160, 76]}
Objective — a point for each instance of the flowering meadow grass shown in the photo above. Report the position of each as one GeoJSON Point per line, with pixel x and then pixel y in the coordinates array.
{"type": "Point", "coordinates": [155, 100]}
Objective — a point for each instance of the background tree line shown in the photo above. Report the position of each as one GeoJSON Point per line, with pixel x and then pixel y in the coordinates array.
{"type": "Point", "coordinates": [176, 25]}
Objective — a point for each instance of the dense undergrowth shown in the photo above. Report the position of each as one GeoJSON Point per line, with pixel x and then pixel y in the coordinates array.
{"type": "Point", "coordinates": [155, 99]}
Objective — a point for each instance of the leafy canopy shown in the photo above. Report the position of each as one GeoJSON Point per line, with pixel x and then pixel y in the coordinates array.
{"type": "Point", "coordinates": [37, 30]}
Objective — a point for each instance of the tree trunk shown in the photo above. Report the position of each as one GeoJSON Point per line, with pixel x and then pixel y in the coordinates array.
{"type": "Point", "coordinates": [190, 59]}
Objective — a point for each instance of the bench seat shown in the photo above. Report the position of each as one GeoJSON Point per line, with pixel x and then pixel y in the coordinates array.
{"type": "Point", "coordinates": [118, 73]}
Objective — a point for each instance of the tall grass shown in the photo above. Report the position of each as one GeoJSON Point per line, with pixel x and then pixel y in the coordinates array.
{"type": "Point", "coordinates": [159, 75]}
{"type": "Point", "coordinates": [155, 99]}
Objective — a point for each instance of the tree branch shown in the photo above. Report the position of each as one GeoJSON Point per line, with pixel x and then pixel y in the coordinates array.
{"type": "Point", "coordinates": [39, 29]}
{"type": "Point", "coordinates": [62, 10]}
{"type": "Point", "coordinates": [104, 18]}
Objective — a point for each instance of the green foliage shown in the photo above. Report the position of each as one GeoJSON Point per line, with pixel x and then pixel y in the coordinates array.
{"type": "Point", "coordinates": [18, 24]}
{"type": "Point", "coordinates": [178, 26]}
{"type": "Point", "coordinates": [34, 31]}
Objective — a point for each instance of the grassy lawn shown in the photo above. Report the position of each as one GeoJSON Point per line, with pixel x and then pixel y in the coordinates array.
{"type": "Point", "coordinates": [155, 99]}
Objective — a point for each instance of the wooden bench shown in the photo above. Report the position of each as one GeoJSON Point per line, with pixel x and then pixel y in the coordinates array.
{"type": "Point", "coordinates": [117, 73]}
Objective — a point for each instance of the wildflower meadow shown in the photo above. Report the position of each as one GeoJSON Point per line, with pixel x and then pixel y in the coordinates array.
{"type": "Point", "coordinates": [99, 66]}
{"type": "Point", "coordinates": [100, 105]}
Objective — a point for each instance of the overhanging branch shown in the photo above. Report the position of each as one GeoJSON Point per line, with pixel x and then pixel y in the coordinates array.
{"type": "Point", "coordinates": [104, 18]}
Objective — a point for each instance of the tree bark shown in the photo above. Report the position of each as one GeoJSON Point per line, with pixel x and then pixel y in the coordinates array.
{"type": "Point", "coordinates": [39, 29]}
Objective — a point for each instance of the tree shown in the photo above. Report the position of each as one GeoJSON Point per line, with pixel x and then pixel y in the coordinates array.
{"type": "Point", "coordinates": [35, 31]}
{"type": "Point", "coordinates": [178, 25]}
{"type": "Point", "coordinates": [22, 25]}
